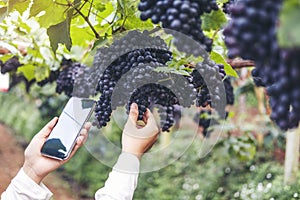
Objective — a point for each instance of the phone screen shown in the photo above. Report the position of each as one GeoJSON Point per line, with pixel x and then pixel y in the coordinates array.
{"type": "Point", "coordinates": [63, 136]}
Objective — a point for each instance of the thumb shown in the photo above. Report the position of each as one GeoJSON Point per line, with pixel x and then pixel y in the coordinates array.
{"type": "Point", "coordinates": [133, 114]}
{"type": "Point", "coordinates": [47, 128]}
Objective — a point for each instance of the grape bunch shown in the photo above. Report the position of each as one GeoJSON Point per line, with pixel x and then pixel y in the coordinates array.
{"type": "Point", "coordinates": [66, 80]}
{"type": "Point", "coordinates": [181, 16]}
{"type": "Point", "coordinates": [251, 34]}
{"type": "Point", "coordinates": [211, 74]}
{"type": "Point", "coordinates": [113, 73]}
{"type": "Point", "coordinates": [284, 92]}
{"type": "Point", "coordinates": [111, 63]}
{"type": "Point", "coordinates": [11, 65]}
{"type": "Point", "coordinates": [155, 94]}
{"type": "Point", "coordinates": [207, 80]}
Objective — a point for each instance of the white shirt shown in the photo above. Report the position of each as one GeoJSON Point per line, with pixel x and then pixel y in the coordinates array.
{"type": "Point", "coordinates": [120, 185]}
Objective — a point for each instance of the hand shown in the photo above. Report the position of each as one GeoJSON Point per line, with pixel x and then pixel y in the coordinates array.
{"type": "Point", "coordinates": [37, 166]}
{"type": "Point", "coordinates": [137, 139]}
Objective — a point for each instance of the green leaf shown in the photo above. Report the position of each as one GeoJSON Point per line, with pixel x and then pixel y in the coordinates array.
{"type": "Point", "coordinates": [213, 20]}
{"type": "Point", "coordinates": [54, 11]}
{"type": "Point", "coordinates": [40, 73]}
{"type": "Point", "coordinates": [220, 60]}
{"type": "Point", "coordinates": [28, 71]}
{"type": "Point", "coordinates": [289, 29]}
{"type": "Point", "coordinates": [60, 33]}
{"type": "Point", "coordinates": [81, 36]}
{"type": "Point", "coordinates": [132, 22]}
{"type": "Point", "coordinates": [18, 5]}
{"type": "Point", "coordinates": [223, 1]}
{"type": "Point", "coordinates": [103, 14]}
{"type": "Point", "coordinates": [99, 6]}
{"type": "Point", "coordinates": [6, 57]}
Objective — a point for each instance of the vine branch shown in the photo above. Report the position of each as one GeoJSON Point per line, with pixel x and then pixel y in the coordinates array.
{"type": "Point", "coordinates": [239, 63]}
{"type": "Point", "coordinates": [89, 23]}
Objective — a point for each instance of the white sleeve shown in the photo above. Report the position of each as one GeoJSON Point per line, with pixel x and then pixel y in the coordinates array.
{"type": "Point", "coordinates": [23, 187]}
{"type": "Point", "coordinates": [122, 181]}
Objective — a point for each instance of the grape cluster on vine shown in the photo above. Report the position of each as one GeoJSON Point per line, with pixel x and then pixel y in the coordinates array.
{"type": "Point", "coordinates": [182, 16]}
{"type": "Point", "coordinates": [155, 94]}
{"type": "Point", "coordinates": [70, 74]}
{"type": "Point", "coordinates": [215, 76]}
{"type": "Point", "coordinates": [11, 65]}
{"type": "Point", "coordinates": [251, 34]}
{"type": "Point", "coordinates": [122, 65]}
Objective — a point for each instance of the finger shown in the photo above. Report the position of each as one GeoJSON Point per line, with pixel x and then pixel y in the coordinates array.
{"type": "Point", "coordinates": [134, 113]}
{"type": "Point", "coordinates": [48, 128]}
{"type": "Point", "coordinates": [146, 116]}
{"type": "Point", "coordinates": [87, 125]}
{"type": "Point", "coordinates": [82, 137]}
{"type": "Point", "coordinates": [80, 140]}
{"type": "Point", "coordinates": [150, 118]}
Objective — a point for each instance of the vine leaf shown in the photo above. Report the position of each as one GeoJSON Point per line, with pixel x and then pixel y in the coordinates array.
{"type": "Point", "coordinates": [28, 71]}
{"type": "Point", "coordinates": [288, 33]}
{"type": "Point", "coordinates": [213, 20]}
{"type": "Point", "coordinates": [41, 73]}
{"type": "Point", "coordinates": [18, 5]}
{"type": "Point", "coordinates": [220, 60]}
{"type": "Point", "coordinates": [54, 11]}
{"type": "Point", "coordinates": [60, 33]}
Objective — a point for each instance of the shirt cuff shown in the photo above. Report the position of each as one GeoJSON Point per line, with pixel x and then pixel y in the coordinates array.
{"type": "Point", "coordinates": [122, 181]}
{"type": "Point", "coordinates": [127, 163]}
{"type": "Point", "coordinates": [23, 184]}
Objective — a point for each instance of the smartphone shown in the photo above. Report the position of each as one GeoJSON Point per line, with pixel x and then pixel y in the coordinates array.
{"type": "Point", "coordinates": [63, 137]}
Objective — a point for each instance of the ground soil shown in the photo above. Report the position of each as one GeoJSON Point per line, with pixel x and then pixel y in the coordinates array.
{"type": "Point", "coordinates": [11, 159]}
